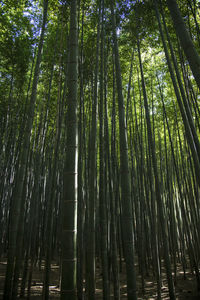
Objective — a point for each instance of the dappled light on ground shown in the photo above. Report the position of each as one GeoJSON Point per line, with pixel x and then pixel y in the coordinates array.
{"type": "Point", "coordinates": [185, 288]}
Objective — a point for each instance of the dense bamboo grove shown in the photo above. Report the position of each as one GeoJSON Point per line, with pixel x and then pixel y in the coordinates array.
{"type": "Point", "coordinates": [99, 147]}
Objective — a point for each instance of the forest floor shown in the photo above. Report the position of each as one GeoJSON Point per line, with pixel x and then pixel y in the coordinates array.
{"type": "Point", "coordinates": [185, 288]}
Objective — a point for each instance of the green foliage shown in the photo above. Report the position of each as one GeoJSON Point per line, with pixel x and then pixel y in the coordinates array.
{"type": "Point", "coordinates": [19, 31]}
{"type": "Point", "coordinates": [15, 42]}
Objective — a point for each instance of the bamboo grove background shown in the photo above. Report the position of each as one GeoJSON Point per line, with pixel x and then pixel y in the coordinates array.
{"type": "Point", "coordinates": [99, 147]}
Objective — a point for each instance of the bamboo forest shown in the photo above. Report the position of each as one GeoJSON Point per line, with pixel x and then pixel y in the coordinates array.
{"type": "Point", "coordinates": [99, 149]}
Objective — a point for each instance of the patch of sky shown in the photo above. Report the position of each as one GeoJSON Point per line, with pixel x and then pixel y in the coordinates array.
{"type": "Point", "coordinates": [118, 31]}
{"type": "Point", "coordinates": [34, 14]}
{"type": "Point", "coordinates": [123, 9]}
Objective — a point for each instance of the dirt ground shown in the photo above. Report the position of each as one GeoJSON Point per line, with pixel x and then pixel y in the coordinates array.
{"type": "Point", "coordinates": [185, 288]}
